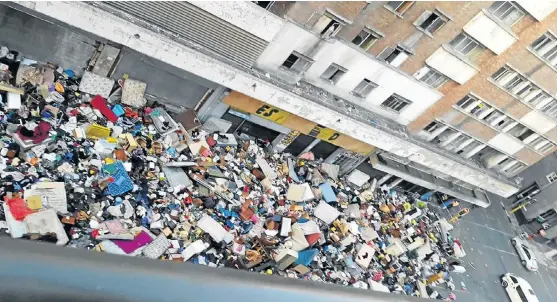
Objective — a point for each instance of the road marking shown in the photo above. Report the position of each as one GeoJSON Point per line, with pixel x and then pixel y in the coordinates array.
{"type": "Point", "coordinates": [484, 226]}
{"type": "Point", "coordinates": [502, 251]}
{"type": "Point", "coordinates": [547, 289]}
{"type": "Point", "coordinates": [551, 278]}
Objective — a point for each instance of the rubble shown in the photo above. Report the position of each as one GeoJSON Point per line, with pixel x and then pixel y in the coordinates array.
{"type": "Point", "coordinates": [90, 163]}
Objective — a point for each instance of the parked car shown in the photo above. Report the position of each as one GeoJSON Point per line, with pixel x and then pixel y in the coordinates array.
{"type": "Point", "coordinates": [518, 289]}
{"type": "Point", "coordinates": [525, 253]}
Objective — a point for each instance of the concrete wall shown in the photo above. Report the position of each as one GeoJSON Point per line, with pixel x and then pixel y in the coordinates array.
{"type": "Point", "coordinates": [245, 15]}
{"type": "Point", "coordinates": [547, 198]}
{"type": "Point", "coordinates": [452, 66]}
{"type": "Point", "coordinates": [45, 42]}
{"type": "Point", "coordinates": [168, 83]}
{"type": "Point", "coordinates": [359, 65]}
{"type": "Point", "coordinates": [488, 32]}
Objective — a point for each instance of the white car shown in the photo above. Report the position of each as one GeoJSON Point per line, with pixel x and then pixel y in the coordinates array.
{"type": "Point", "coordinates": [518, 289]}
{"type": "Point", "coordinates": [525, 253]}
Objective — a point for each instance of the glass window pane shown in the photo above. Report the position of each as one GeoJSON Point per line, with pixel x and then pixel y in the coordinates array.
{"type": "Point", "coordinates": [360, 37]}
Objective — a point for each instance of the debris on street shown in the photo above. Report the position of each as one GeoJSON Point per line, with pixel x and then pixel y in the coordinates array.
{"type": "Point", "coordinates": [90, 163]}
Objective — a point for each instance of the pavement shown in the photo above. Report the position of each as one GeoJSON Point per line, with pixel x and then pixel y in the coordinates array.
{"type": "Point", "coordinates": [486, 235]}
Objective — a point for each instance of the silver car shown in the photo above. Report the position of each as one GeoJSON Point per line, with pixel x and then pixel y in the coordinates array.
{"type": "Point", "coordinates": [525, 253]}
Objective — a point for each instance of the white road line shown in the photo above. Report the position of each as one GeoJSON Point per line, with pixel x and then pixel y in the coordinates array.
{"type": "Point", "coordinates": [551, 279]}
{"type": "Point", "coordinates": [546, 288]}
{"type": "Point", "coordinates": [484, 226]}
{"type": "Point", "coordinates": [502, 251]}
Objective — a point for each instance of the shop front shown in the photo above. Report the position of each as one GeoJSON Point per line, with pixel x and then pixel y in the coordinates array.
{"type": "Point", "coordinates": [290, 133]}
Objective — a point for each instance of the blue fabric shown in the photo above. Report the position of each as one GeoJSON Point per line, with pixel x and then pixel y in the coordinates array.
{"type": "Point", "coordinates": [122, 181]}
{"type": "Point", "coordinates": [426, 196]}
{"type": "Point", "coordinates": [327, 192]}
{"type": "Point", "coordinates": [306, 257]}
{"type": "Point", "coordinates": [118, 110]}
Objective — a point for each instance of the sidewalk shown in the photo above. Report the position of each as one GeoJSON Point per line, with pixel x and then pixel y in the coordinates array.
{"type": "Point", "coordinates": [538, 243]}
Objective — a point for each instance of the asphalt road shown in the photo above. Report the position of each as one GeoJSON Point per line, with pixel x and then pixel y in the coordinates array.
{"type": "Point", "coordinates": [486, 234]}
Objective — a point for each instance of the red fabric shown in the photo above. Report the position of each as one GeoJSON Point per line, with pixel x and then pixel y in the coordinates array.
{"type": "Point", "coordinates": [313, 238]}
{"type": "Point", "coordinates": [211, 142]}
{"type": "Point", "coordinates": [100, 104]}
{"type": "Point", "coordinates": [40, 133]}
{"type": "Point", "coordinates": [18, 208]}
{"type": "Point", "coordinates": [377, 276]}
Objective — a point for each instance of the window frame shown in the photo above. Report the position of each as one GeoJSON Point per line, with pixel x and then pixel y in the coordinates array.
{"type": "Point", "coordinates": [332, 19]}
{"type": "Point", "coordinates": [549, 55]}
{"type": "Point", "coordinates": [268, 7]}
{"type": "Point", "coordinates": [394, 101]}
{"type": "Point", "coordinates": [473, 52]}
{"type": "Point", "coordinates": [366, 84]}
{"type": "Point", "coordinates": [551, 177]}
{"type": "Point", "coordinates": [388, 51]}
{"type": "Point", "coordinates": [423, 18]}
{"type": "Point", "coordinates": [432, 127]}
{"type": "Point", "coordinates": [334, 77]}
{"type": "Point", "coordinates": [549, 108]}
{"type": "Point", "coordinates": [495, 12]}
{"type": "Point", "coordinates": [299, 57]}
{"type": "Point", "coordinates": [437, 83]}
{"type": "Point", "coordinates": [395, 10]}
{"type": "Point", "coordinates": [370, 34]}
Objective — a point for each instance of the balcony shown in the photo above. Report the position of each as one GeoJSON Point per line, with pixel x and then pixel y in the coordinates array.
{"type": "Point", "coordinates": [506, 143]}
{"type": "Point", "coordinates": [538, 9]}
{"type": "Point", "coordinates": [448, 62]}
{"type": "Point", "coordinates": [487, 30]}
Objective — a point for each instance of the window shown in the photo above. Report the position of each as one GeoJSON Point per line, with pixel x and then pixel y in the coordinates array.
{"type": "Point", "coordinates": [366, 38]}
{"type": "Point", "coordinates": [526, 251]}
{"type": "Point", "coordinates": [432, 127]}
{"type": "Point", "coordinates": [537, 98]}
{"type": "Point", "coordinates": [546, 47]}
{"type": "Point", "coordinates": [434, 78]}
{"type": "Point", "coordinates": [396, 103]}
{"type": "Point", "coordinates": [475, 107]}
{"type": "Point", "coordinates": [510, 80]}
{"type": "Point", "coordinates": [297, 63]}
{"type": "Point", "coordinates": [521, 294]}
{"type": "Point", "coordinates": [264, 4]}
{"type": "Point", "coordinates": [364, 88]}
{"type": "Point", "coordinates": [467, 46]}
{"type": "Point", "coordinates": [456, 143]}
{"type": "Point", "coordinates": [501, 73]}
{"type": "Point", "coordinates": [466, 101]}
{"type": "Point", "coordinates": [327, 25]}
{"type": "Point", "coordinates": [514, 168]}
{"type": "Point", "coordinates": [545, 148]}
{"type": "Point", "coordinates": [551, 177]}
{"type": "Point", "coordinates": [393, 56]}
{"type": "Point", "coordinates": [506, 12]}
{"type": "Point", "coordinates": [399, 7]}
{"type": "Point", "coordinates": [522, 88]}
{"type": "Point", "coordinates": [430, 22]}
{"type": "Point", "coordinates": [550, 108]}
{"type": "Point", "coordinates": [520, 131]}
{"type": "Point", "coordinates": [333, 73]}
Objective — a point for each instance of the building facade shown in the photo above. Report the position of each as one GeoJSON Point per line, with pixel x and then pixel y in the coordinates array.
{"type": "Point", "coordinates": [451, 96]}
